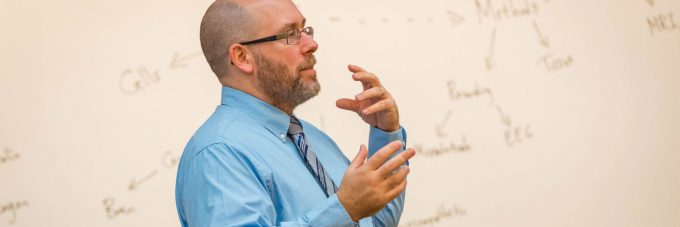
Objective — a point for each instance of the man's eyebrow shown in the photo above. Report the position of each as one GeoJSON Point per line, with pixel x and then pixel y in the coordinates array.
{"type": "Point", "coordinates": [290, 26]}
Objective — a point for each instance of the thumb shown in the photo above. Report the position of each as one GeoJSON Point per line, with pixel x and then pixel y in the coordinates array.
{"type": "Point", "coordinates": [360, 158]}
{"type": "Point", "coordinates": [355, 69]}
{"type": "Point", "coordinates": [347, 104]}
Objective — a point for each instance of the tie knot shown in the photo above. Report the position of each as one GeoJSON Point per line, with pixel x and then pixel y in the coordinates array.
{"type": "Point", "coordinates": [295, 126]}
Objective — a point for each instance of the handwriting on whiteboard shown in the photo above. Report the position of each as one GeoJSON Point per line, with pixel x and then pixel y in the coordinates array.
{"type": "Point", "coordinates": [663, 22]}
{"type": "Point", "coordinates": [502, 10]}
{"type": "Point", "coordinates": [168, 162]}
{"type": "Point", "coordinates": [554, 63]}
{"type": "Point", "coordinates": [443, 148]}
{"type": "Point", "coordinates": [113, 211]}
{"type": "Point", "coordinates": [132, 81]}
{"type": "Point", "coordinates": [441, 214]}
{"type": "Point", "coordinates": [512, 133]}
{"type": "Point", "coordinates": [8, 155]}
{"type": "Point", "coordinates": [12, 208]}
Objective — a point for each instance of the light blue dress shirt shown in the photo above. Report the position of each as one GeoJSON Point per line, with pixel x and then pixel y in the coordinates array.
{"type": "Point", "coordinates": [241, 169]}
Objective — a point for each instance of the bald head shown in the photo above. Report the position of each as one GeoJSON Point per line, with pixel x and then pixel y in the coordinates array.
{"type": "Point", "coordinates": [224, 23]}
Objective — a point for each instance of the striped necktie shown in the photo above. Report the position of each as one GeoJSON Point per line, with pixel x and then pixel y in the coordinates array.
{"type": "Point", "coordinates": [308, 156]}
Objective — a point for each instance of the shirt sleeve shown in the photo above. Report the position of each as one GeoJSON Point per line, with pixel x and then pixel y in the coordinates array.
{"type": "Point", "coordinates": [225, 187]}
{"type": "Point", "coordinates": [390, 215]}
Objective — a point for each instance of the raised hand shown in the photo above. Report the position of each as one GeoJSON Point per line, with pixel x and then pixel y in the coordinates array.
{"type": "Point", "coordinates": [374, 104]}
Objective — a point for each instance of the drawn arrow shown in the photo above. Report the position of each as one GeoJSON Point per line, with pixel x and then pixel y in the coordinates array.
{"type": "Point", "coordinates": [440, 128]}
{"type": "Point", "coordinates": [505, 119]}
{"type": "Point", "coordinates": [134, 184]}
{"type": "Point", "coordinates": [542, 38]}
{"type": "Point", "coordinates": [455, 18]}
{"type": "Point", "coordinates": [489, 58]}
{"type": "Point", "coordinates": [180, 61]}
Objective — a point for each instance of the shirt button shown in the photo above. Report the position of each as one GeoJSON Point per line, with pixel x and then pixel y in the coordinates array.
{"type": "Point", "coordinates": [282, 136]}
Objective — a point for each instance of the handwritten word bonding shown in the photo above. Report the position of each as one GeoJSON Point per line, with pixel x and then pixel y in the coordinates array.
{"type": "Point", "coordinates": [12, 208]}
{"type": "Point", "coordinates": [8, 155]}
{"type": "Point", "coordinates": [457, 94]}
{"type": "Point", "coordinates": [442, 213]}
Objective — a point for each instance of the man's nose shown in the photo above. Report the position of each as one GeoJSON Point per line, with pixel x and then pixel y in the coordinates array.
{"type": "Point", "coordinates": [309, 45]}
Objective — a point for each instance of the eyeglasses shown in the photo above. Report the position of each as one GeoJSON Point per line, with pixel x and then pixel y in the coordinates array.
{"type": "Point", "coordinates": [292, 36]}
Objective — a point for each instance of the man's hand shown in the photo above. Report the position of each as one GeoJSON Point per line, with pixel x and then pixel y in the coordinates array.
{"type": "Point", "coordinates": [375, 105]}
{"type": "Point", "coordinates": [368, 185]}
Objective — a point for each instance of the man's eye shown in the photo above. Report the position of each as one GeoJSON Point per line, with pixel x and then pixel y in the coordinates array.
{"type": "Point", "coordinates": [291, 33]}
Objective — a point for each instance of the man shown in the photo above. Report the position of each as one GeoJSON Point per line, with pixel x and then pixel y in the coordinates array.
{"type": "Point", "coordinates": [253, 163]}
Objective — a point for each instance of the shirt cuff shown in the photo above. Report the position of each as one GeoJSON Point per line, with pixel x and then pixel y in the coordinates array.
{"type": "Point", "coordinates": [330, 213]}
{"type": "Point", "coordinates": [378, 138]}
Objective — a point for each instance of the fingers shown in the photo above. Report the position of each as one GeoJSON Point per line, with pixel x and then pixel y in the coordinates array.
{"type": "Point", "coordinates": [347, 104]}
{"type": "Point", "coordinates": [360, 158]}
{"type": "Point", "coordinates": [393, 164]}
{"type": "Point", "coordinates": [374, 92]}
{"type": "Point", "coordinates": [379, 106]}
{"type": "Point", "coordinates": [394, 192]}
{"type": "Point", "coordinates": [383, 154]}
{"type": "Point", "coordinates": [367, 79]}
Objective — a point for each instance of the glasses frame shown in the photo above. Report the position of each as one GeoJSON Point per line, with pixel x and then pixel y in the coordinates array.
{"type": "Point", "coordinates": [283, 35]}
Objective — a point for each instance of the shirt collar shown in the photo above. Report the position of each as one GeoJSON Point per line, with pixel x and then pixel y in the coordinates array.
{"type": "Point", "coordinates": [272, 118]}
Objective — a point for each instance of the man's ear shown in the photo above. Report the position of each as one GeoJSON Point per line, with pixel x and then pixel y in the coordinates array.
{"type": "Point", "coordinates": [241, 58]}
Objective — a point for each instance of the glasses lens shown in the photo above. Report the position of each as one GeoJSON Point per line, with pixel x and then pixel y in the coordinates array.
{"type": "Point", "coordinates": [293, 36]}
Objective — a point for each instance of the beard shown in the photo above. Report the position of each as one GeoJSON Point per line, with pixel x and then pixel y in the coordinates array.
{"type": "Point", "coordinates": [284, 86]}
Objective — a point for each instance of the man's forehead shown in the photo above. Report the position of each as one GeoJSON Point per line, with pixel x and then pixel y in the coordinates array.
{"type": "Point", "coordinates": [283, 11]}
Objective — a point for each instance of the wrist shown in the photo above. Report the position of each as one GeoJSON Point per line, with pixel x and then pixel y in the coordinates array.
{"type": "Point", "coordinates": [389, 129]}
{"type": "Point", "coordinates": [345, 204]}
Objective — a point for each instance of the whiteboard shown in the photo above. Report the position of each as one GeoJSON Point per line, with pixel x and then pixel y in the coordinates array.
{"type": "Point", "coordinates": [524, 112]}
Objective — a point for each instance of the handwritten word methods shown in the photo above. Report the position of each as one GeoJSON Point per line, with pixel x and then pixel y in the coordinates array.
{"type": "Point", "coordinates": [12, 208]}
{"type": "Point", "coordinates": [498, 11]}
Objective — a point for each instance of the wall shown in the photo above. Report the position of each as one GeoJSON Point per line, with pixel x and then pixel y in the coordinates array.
{"type": "Point", "coordinates": [524, 112]}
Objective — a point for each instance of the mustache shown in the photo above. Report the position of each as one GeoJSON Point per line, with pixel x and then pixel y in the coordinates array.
{"type": "Point", "coordinates": [308, 64]}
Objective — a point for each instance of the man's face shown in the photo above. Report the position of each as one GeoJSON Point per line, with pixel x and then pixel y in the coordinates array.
{"type": "Point", "coordinates": [285, 85]}
{"type": "Point", "coordinates": [284, 71]}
